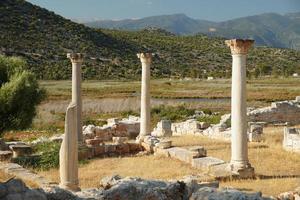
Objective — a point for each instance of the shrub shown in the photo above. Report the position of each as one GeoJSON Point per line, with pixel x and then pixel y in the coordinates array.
{"type": "Point", "coordinates": [211, 119]}
{"type": "Point", "coordinates": [172, 113]}
{"type": "Point", "coordinates": [19, 94]}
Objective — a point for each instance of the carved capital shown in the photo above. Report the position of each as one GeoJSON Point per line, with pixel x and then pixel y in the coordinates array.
{"type": "Point", "coordinates": [239, 46]}
{"type": "Point", "coordinates": [145, 57]}
{"type": "Point", "coordinates": [75, 57]}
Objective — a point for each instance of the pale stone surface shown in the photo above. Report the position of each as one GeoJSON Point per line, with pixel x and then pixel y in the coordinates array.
{"type": "Point", "coordinates": [162, 129]}
{"type": "Point", "coordinates": [200, 151]}
{"type": "Point", "coordinates": [291, 140]}
{"type": "Point", "coordinates": [20, 150]}
{"type": "Point", "coordinates": [146, 59]}
{"type": "Point", "coordinates": [164, 144]}
{"type": "Point", "coordinates": [278, 112]}
{"type": "Point", "coordinates": [183, 154]}
{"type": "Point", "coordinates": [255, 132]}
{"type": "Point", "coordinates": [68, 155]}
{"type": "Point", "coordinates": [239, 143]}
{"type": "Point", "coordinates": [206, 162]}
{"type": "Point", "coordinates": [189, 127]}
{"type": "Point", "coordinates": [77, 59]}
{"type": "Point", "coordinates": [119, 140]}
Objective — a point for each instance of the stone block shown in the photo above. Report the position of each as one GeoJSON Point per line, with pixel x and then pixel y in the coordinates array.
{"type": "Point", "coordinates": [110, 148]}
{"type": "Point", "coordinates": [20, 150]}
{"type": "Point", "coordinates": [119, 140]}
{"type": "Point", "coordinates": [147, 147]}
{"type": "Point", "coordinates": [99, 150]}
{"type": "Point", "coordinates": [182, 154]}
{"type": "Point", "coordinates": [206, 162]}
{"type": "Point", "coordinates": [164, 144]}
{"type": "Point", "coordinates": [5, 155]}
{"type": "Point", "coordinates": [161, 152]}
{"type": "Point", "coordinates": [198, 151]}
{"type": "Point", "coordinates": [122, 149]}
{"type": "Point", "coordinates": [204, 125]}
{"type": "Point", "coordinates": [93, 142]}
{"type": "Point", "coordinates": [134, 147]}
{"type": "Point", "coordinates": [163, 129]}
{"type": "Point", "coordinates": [85, 152]}
{"type": "Point", "coordinates": [113, 121]}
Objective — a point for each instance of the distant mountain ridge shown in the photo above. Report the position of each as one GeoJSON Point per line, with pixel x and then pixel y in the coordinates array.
{"type": "Point", "coordinates": [268, 29]}
{"type": "Point", "coordinates": [43, 39]}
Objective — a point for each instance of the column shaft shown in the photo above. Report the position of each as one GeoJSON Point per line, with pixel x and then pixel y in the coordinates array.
{"type": "Point", "coordinates": [145, 100]}
{"type": "Point", "coordinates": [239, 112]}
{"type": "Point", "coordinates": [76, 97]}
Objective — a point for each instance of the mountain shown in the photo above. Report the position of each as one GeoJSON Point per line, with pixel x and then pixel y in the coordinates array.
{"type": "Point", "coordinates": [178, 24]}
{"type": "Point", "coordinates": [43, 39]}
{"type": "Point", "coordinates": [269, 29]}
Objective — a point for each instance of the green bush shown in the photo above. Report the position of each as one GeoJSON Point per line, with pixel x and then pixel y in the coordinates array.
{"type": "Point", "coordinates": [19, 94]}
{"type": "Point", "coordinates": [212, 119]}
{"type": "Point", "coordinates": [172, 113]}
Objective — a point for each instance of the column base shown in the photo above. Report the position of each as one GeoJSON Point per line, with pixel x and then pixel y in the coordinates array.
{"type": "Point", "coordinates": [70, 186]}
{"type": "Point", "coordinates": [244, 171]}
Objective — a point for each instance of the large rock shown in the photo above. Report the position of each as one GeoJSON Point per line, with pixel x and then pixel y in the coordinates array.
{"type": "Point", "coordinates": [140, 189]}
{"type": "Point", "coordinates": [189, 127]}
{"type": "Point", "coordinates": [163, 129]}
{"type": "Point", "coordinates": [223, 194]}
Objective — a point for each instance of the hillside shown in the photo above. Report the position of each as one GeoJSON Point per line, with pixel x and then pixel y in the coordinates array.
{"type": "Point", "coordinates": [43, 39]}
{"type": "Point", "coordinates": [269, 29]}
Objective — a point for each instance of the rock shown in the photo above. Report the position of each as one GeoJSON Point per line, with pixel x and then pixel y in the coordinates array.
{"type": "Point", "coordinates": [57, 138]}
{"type": "Point", "coordinates": [119, 140]}
{"type": "Point", "coordinates": [40, 140]}
{"type": "Point", "coordinates": [163, 129]}
{"type": "Point", "coordinates": [223, 194]}
{"type": "Point", "coordinates": [34, 195]}
{"type": "Point", "coordinates": [3, 146]}
{"type": "Point", "coordinates": [127, 128]}
{"type": "Point", "coordinates": [5, 155]}
{"type": "Point", "coordinates": [150, 140]}
{"type": "Point", "coordinates": [112, 121]}
{"type": "Point", "coordinates": [204, 125]}
{"type": "Point", "coordinates": [3, 190]}
{"type": "Point", "coordinates": [91, 194]}
{"type": "Point", "coordinates": [109, 181]}
{"type": "Point", "coordinates": [15, 186]}
{"type": "Point", "coordinates": [89, 132]}
{"type": "Point", "coordinates": [56, 193]}
{"type": "Point", "coordinates": [16, 196]}
{"type": "Point", "coordinates": [140, 189]}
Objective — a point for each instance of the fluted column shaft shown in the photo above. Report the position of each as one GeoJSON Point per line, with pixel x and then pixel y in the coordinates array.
{"type": "Point", "coordinates": [145, 122]}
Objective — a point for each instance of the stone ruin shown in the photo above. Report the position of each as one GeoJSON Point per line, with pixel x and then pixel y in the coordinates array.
{"type": "Point", "coordinates": [278, 112]}
{"type": "Point", "coordinates": [291, 140]}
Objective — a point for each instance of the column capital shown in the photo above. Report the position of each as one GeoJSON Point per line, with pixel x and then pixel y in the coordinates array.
{"type": "Point", "coordinates": [239, 46]}
{"type": "Point", "coordinates": [75, 57]}
{"type": "Point", "coordinates": [145, 57]}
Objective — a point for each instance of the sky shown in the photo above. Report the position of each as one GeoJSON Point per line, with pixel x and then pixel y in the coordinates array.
{"type": "Point", "coordinates": [213, 10]}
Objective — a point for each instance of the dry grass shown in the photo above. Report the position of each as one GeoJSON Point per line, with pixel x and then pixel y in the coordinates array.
{"type": "Point", "coordinates": [150, 167]}
{"type": "Point", "coordinates": [5, 177]}
{"type": "Point", "coordinates": [277, 170]}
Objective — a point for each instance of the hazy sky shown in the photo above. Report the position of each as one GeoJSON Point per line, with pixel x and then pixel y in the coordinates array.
{"type": "Point", "coordinates": [215, 10]}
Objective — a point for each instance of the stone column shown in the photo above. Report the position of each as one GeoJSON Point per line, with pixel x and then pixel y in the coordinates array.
{"type": "Point", "coordinates": [145, 124]}
{"type": "Point", "coordinates": [77, 59]}
{"type": "Point", "coordinates": [239, 141]}
{"type": "Point", "coordinates": [68, 154]}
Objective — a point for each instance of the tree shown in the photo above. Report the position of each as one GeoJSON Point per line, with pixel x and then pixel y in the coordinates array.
{"type": "Point", "coordinates": [19, 94]}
